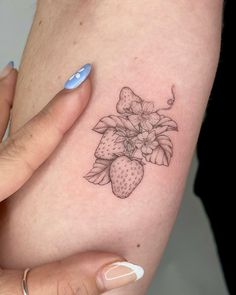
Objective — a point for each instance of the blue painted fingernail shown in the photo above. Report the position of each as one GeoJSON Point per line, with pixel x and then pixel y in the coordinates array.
{"type": "Point", "coordinates": [78, 77]}
{"type": "Point", "coordinates": [6, 70]}
{"type": "Point", "coordinates": [11, 64]}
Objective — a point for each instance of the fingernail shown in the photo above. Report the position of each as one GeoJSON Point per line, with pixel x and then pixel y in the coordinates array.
{"type": "Point", "coordinates": [6, 70]}
{"type": "Point", "coordinates": [119, 274]}
{"type": "Point", "coordinates": [78, 77]}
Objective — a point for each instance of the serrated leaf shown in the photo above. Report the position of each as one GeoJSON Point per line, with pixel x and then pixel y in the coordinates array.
{"type": "Point", "coordinates": [165, 124]}
{"type": "Point", "coordinates": [163, 152]}
{"type": "Point", "coordinates": [99, 174]}
{"type": "Point", "coordinates": [114, 122]}
{"type": "Point", "coordinates": [160, 129]}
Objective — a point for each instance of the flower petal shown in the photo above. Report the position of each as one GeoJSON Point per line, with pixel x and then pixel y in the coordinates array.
{"type": "Point", "coordinates": [149, 150]}
{"type": "Point", "coordinates": [136, 107]}
{"type": "Point", "coordinates": [152, 136]}
{"type": "Point", "coordinates": [146, 125]}
{"type": "Point", "coordinates": [148, 107]}
{"type": "Point", "coordinates": [140, 137]}
{"type": "Point", "coordinates": [146, 150]}
{"type": "Point", "coordinates": [134, 119]}
{"type": "Point", "coordinates": [154, 145]}
{"type": "Point", "coordinates": [154, 118]}
{"type": "Point", "coordinates": [139, 144]}
{"type": "Point", "coordinates": [143, 125]}
{"type": "Point", "coordinates": [145, 134]}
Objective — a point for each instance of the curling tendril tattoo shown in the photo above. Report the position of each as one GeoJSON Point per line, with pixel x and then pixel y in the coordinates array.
{"type": "Point", "coordinates": [136, 136]}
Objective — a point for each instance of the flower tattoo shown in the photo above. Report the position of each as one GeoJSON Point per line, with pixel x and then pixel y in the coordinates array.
{"type": "Point", "coordinates": [135, 136]}
{"type": "Point", "coordinates": [143, 115]}
{"type": "Point", "coordinates": [146, 142]}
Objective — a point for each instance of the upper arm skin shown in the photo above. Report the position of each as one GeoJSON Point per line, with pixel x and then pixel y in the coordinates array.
{"type": "Point", "coordinates": [148, 46]}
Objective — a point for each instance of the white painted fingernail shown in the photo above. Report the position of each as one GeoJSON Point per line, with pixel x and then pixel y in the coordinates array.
{"type": "Point", "coordinates": [136, 269]}
{"type": "Point", "coordinates": [119, 274]}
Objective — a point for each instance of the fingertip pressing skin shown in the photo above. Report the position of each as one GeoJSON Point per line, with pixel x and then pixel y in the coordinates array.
{"type": "Point", "coordinates": [118, 274]}
{"type": "Point", "coordinates": [6, 70]}
{"type": "Point", "coordinates": [32, 144]}
{"type": "Point", "coordinates": [78, 77]}
{"type": "Point", "coordinates": [8, 77]}
{"type": "Point", "coordinates": [67, 105]}
{"type": "Point", "coordinates": [90, 272]}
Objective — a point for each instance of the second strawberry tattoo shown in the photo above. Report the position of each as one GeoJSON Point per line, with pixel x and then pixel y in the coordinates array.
{"type": "Point", "coordinates": [136, 136]}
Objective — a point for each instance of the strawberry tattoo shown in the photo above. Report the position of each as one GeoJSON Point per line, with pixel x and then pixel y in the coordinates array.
{"type": "Point", "coordinates": [125, 174]}
{"type": "Point", "coordinates": [108, 147]}
{"type": "Point", "coordinates": [127, 96]}
{"type": "Point", "coordinates": [138, 134]}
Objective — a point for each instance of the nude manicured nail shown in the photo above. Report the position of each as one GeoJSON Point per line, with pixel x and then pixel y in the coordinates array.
{"type": "Point", "coordinates": [78, 77]}
{"type": "Point", "coordinates": [6, 70]}
{"type": "Point", "coordinates": [119, 274]}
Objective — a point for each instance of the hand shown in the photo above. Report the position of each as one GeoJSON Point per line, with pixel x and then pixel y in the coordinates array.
{"type": "Point", "coordinates": [21, 154]}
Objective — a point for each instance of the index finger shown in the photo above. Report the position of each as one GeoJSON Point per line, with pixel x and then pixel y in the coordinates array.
{"type": "Point", "coordinates": [23, 152]}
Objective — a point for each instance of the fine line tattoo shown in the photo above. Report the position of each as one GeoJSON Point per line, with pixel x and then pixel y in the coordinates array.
{"type": "Point", "coordinates": [129, 140]}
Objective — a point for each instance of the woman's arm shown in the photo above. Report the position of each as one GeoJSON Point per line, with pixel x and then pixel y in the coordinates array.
{"type": "Point", "coordinates": [148, 46]}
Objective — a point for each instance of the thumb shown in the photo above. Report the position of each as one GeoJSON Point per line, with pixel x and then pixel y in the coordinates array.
{"type": "Point", "coordinates": [90, 273]}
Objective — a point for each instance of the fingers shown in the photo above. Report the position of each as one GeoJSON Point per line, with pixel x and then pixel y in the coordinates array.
{"type": "Point", "coordinates": [23, 152]}
{"type": "Point", "coordinates": [90, 273]}
{"type": "Point", "coordinates": [8, 77]}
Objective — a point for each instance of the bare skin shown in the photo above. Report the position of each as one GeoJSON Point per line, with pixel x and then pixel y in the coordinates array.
{"type": "Point", "coordinates": [149, 47]}
{"type": "Point", "coordinates": [21, 155]}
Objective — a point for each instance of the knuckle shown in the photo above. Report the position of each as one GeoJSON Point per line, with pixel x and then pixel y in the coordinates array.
{"type": "Point", "coordinates": [11, 147]}
{"type": "Point", "coordinates": [14, 149]}
{"type": "Point", "coordinates": [70, 281]}
{"type": "Point", "coordinates": [46, 113]}
{"type": "Point", "coordinates": [47, 118]}
{"type": "Point", "coordinates": [66, 287]}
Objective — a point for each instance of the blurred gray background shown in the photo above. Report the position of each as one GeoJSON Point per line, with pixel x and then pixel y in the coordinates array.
{"type": "Point", "coordinates": [190, 264]}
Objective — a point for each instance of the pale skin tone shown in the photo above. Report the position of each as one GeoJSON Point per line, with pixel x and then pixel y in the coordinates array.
{"type": "Point", "coordinates": [149, 47]}
{"type": "Point", "coordinates": [21, 155]}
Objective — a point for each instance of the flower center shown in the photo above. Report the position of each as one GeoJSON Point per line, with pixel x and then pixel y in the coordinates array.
{"type": "Point", "coordinates": [146, 142]}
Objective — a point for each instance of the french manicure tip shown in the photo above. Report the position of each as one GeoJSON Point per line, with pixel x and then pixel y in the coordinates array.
{"type": "Point", "coordinates": [137, 269]}
{"type": "Point", "coordinates": [78, 77]}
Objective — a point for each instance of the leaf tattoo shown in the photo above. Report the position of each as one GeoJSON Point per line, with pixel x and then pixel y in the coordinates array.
{"type": "Point", "coordinates": [165, 124]}
{"type": "Point", "coordinates": [115, 122]}
{"type": "Point", "coordinates": [162, 154]}
{"type": "Point", "coordinates": [99, 174]}
{"type": "Point", "coordinates": [137, 135]}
